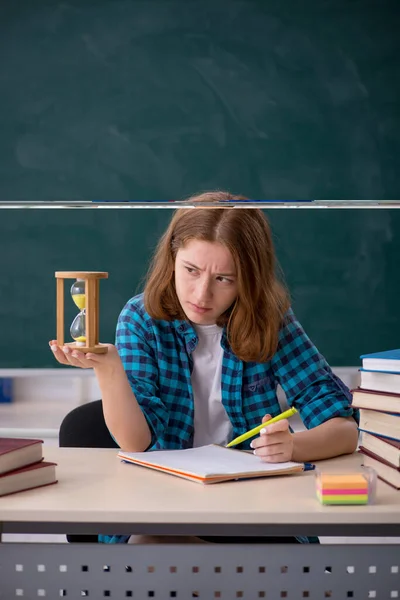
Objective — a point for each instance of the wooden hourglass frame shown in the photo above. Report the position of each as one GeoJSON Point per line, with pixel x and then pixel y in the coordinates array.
{"type": "Point", "coordinates": [92, 285]}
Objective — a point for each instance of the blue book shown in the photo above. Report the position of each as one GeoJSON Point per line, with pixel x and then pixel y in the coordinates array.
{"type": "Point", "coordinates": [389, 360]}
{"type": "Point", "coordinates": [6, 389]}
{"type": "Point", "coordinates": [384, 437]}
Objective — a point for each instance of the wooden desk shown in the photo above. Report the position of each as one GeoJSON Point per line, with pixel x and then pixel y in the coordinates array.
{"type": "Point", "coordinates": [97, 493]}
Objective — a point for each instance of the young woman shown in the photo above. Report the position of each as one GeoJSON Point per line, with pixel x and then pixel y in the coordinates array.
{"type": "Point", "coordinates": [199, 355]}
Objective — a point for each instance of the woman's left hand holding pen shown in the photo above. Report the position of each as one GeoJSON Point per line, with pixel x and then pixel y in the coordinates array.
{"type": "Point", "coordinates": [275, 442]}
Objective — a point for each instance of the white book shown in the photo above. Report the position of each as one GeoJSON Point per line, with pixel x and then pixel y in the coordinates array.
{"type": "Point", "coordinates": [380, 423]}
{"type": "Point", "coordinates": [376, 400]}
{"type": "Point", "coordinates": [389, 360]}
{"type": "Point", "coordinates": [209, 464]}
{"type": "Point", "coordinates": [380, 381]}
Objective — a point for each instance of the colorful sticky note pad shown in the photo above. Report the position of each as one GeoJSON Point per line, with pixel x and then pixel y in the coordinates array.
{"type": "Point", "coordinates": [349, 488]}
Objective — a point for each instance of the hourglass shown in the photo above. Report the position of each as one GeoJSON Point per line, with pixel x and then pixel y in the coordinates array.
{"type": "Point", "coordinates": [85, 294]}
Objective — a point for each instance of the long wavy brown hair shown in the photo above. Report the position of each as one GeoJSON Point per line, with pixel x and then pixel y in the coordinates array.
{"type": "Point", "coordinates": [254, 319]}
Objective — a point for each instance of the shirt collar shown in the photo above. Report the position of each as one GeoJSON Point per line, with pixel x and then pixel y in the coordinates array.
{"type": "Point", "coordinates": [187, 332]}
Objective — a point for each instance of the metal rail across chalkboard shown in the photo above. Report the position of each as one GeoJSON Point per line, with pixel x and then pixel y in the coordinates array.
{"type": "Point", "coordinates": [173, 204]}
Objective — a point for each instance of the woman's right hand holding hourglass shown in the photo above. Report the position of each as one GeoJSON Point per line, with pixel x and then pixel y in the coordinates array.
{"type": "Point", "coordinates": [103, 358]}
{"type": "Point", "coordinates": [100, 362]}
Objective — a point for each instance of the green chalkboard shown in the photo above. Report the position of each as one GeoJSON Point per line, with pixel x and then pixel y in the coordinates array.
{"type": "Point", "coordinates": [341, 267]}
{"type": "Point", "coordinates": [158, 99]}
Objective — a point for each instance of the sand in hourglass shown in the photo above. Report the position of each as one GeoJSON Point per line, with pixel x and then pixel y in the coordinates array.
{"type": "Point", "coordinates": [85, 294]}
{"type": "Point", "coordinates": [78, 327]}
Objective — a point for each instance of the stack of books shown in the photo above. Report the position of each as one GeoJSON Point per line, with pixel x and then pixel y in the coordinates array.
{"type": "Point", "coordinates": [22, 466]}
{"type": "Point", "coordinates": [378, 399]}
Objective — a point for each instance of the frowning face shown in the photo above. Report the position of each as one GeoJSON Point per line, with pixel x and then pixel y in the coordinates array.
{"type": "Point", "coordinates": [205, 280]}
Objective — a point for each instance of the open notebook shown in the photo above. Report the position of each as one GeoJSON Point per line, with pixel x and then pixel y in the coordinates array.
{"type": "Point", "coordinates": [209, 464]}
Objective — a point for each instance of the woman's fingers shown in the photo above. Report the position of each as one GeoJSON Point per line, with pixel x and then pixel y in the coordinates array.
{"type": "Point", "coordinates": [58, 353]}
{"type": "Point", "coordinates": [270, 450]}
{"type": "Point", "coordinates": [73, 357]}
{"type": "Point", "coordinates": [266, 418]}
{"type": "Point", "coordinates": [67, 355]}
{"type": "Point", "coordinates": [275, 458]}
{"type": "Point", "coordinates": [275, 443]}
{"type": "Point", "coordinates": [273, 434]}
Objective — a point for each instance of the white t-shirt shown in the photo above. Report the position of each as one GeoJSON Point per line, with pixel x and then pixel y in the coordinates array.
{"type": "Point", "coordinates": [211, 422]}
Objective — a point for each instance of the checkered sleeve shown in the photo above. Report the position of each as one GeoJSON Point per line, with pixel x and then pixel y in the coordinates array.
{"type": "Point", "coordinates": [306, 378]}
{"type": "Point", "coordinates": [133, 342]}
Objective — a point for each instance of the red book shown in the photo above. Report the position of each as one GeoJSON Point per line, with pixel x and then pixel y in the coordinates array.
{"type": "Point", "coordinates": [384, 470]}
{"type": "Point", "coordinates": [385, 448]}
{"type": "Point", "coordinates": [27, 478]}
{"type": "Point", "coordinates": [17, 452]}
{"type": "Point", "coordinates": [385, 401]}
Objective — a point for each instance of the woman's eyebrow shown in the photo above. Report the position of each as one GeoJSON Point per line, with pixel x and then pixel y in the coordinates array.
{"type": "Point", "coordinates": [186, 262]}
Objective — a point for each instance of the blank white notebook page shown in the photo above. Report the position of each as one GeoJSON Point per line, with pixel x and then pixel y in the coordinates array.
{"type": "Point", "coordinates": [208, 460]}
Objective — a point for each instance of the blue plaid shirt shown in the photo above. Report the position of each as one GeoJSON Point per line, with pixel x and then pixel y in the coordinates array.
{"type": "Point", "coordinates": [156, 355]}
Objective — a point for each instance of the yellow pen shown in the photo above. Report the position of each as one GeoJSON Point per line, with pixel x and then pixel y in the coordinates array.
{"type": "Point", "coordinates": [253, 432]}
